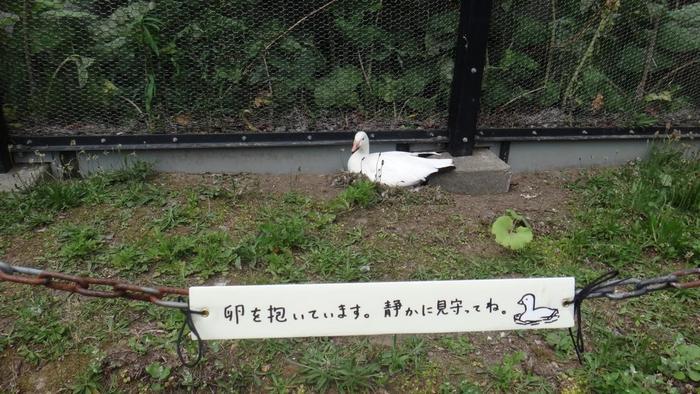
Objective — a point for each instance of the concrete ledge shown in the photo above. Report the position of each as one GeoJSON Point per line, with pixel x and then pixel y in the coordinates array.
{"type": "Point", "coordinates": [22, 176]}
{"type": "Point", "coordinates": [481, 173]}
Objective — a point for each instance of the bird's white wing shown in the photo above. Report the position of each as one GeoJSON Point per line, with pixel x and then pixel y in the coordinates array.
{"type": "Point", "coordinates": [400, 168]}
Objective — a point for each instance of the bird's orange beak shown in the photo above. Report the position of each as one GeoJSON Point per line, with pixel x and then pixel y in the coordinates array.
{"type": "Point", "coordinates": [355, 146]}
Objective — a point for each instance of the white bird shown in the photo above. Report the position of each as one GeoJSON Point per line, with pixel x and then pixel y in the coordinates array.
{"type": "Point", "coordinates": [534, 315]}
{"type": "Point", "coordinates": [392, 168]}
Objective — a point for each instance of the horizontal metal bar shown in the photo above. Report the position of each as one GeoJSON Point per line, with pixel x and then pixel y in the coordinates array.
{"type": "Point", "coordinates": [583, 134]}
{"type": "Point", "coordinates": [224, 145]}
{"type": "Point", "coordinates": [211, 141]}
{"type": "Point", "coordinates": [331, 138]}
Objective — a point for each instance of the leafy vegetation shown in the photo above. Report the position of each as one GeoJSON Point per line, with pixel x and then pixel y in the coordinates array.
{"type": "Point", "coordinates": [170, 64]}
{"type": "Point", "coordinates": [512, 230]}
{"type": "Point", "coordinates": [599, 58]}
{"type": "Point", "coordinates": [232, 230]}
{"type": "Point", "coordinates": [647, 207]}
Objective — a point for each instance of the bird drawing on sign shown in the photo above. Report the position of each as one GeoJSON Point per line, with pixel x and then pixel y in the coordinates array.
{"type": "Point", "coordinates": [393, 168]}
{"type": "Point", "coordinates": [533, 315]}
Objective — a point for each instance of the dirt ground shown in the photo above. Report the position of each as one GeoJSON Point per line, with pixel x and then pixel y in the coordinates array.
{"type": "Point", "coordinates": [407, 233]}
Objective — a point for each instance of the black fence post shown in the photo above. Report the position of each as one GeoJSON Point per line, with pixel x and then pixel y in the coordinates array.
{"type": "Point", "coordinates": [470, 58]}
{"type": "Point", "coordinates": [5, 159]}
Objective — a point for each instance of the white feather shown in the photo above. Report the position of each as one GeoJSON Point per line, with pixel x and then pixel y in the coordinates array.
{"type": "Point", "coordinates": [392, 168]}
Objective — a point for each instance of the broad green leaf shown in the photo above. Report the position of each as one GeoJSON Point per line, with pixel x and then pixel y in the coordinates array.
{"type": "Point", "coordinates": [678, 38]}
{"type": "Point", "coordinates": [83, 63]}
{"type": "Point", "coordinates": [519, 65]}
{"type": "Point", "coordinates": [439, 33]}
{"type": "Point", "coordinates": [529, 31]}
{"type": "Point", "coordinates": [497, 91]}
{"type": "Point", "coordinates": [681, 31]}
{"type": "Point", "coordinates": [694, 375]}
{"type": "Point", "coordinates": [632, 59]}
{"type": "Point", "coordinates": [339, 89]}
{"type": "Point", "coordinates": [8, 19]}
{"type": "Point", "coordinates": [158, 371]}
{"type": "Point", "coordinates": [508, 236]}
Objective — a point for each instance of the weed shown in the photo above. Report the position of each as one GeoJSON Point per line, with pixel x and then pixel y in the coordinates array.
{"type": "Point", "coordinates": [159, 373]}
{"type": "Point", "coordinates": [167, 249]}
{"type": "Point", "coordinates": [277, 237]}
{"type": "Point", "coordinates": [214, 252]}
{"type": "Point", "coordinates": [641, 207]}
{"type": "Point", "coordinates": [509, 231]}
{"type": "Point", "coordinates": [177, 214]}
{"type": "Point", "coordinates": [407, 356]}
{"type": "Point", "coordinates": [279, 383]}
{"type": "Point", "coordinates": [509, 377]}
{"type": "Point", "coordinates": [561, 343]}
{"type": "Point", "coordinates": [88, 381]}
{"type": "Point", "coordinates": [296, 199]}
{"type": "Point", "coordinates": [37, 205]}
{"type": "Point", "coordinates": [136, 194]}
{"type": "Point", "coordinates": [630, 380]}
{"type": "Point", "coordinates": [286, 231]}
{"type": "Point", "coordinates": [683, 363]}
{"type": "Point", "coordinates": [362, 193]}
{"type": "Point", "coordinates": [78, 241]}
{"type": "Point", "coordinates": [134, 171]}
{"type": "Point", "coordinates": [464, 387]}
{"type": "Point", "coordinates": [129, 258]}
{"type": "Point", "coordinates": [37, 333]}
{"type": "Point", "coordinates": [337, 264]}
{"type": "Point", "coordinates": [459, 346]}
{"type": "Point", "coordinates": [325, 366]}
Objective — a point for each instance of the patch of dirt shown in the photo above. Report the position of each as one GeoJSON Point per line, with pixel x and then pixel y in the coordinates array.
{"type": "Point", "coordinates": [52, 377]}
{"type": "Point", "coordinates": [24, 249]}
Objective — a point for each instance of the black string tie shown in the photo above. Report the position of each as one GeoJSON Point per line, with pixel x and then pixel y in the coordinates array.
{"type": "Point", "coordinates": [189, 323]}
{"type": "Point", "coordinates": [577, 301]}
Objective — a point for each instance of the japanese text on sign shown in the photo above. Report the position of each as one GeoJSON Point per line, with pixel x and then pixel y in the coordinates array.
{"type": "Point", "coordinates": [272, 311]}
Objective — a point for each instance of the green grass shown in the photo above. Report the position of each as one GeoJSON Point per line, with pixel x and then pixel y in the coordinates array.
{"type": "Point", "coordinates": [641, 218]}
{"type": "Point", "coordinates": [38, 205]}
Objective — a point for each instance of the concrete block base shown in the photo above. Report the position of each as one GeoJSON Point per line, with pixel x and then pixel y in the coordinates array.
{"type": "Point", "coordinates": [481, 173]}
{"type": "Point", "coordinates": [22, 176]}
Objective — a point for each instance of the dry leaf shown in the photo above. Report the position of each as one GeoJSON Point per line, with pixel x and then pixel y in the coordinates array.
{"type": "Point", "coordinates": [183, 120]}
{"type": "Point", "coordinates": [598, 102]}
{"type": "Point", "coordinates": [262, 99]}
{"type": "Point", "coordinates": [244, 117]}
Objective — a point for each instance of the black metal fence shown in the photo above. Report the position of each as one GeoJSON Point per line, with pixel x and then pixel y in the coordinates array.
{"type": "Point", "coordinates": [118, 67]}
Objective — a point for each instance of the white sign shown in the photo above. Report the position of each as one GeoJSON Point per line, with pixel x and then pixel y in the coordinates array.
{"type": "Point", "coordinates": [305, 310]}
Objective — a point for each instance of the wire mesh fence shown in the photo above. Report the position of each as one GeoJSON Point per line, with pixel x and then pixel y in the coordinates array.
{"type": "Point", "coordinates": [591, 63]}
{"type": "Point", "coordinates": [174, 65]}
{"type": "Point", "coordinates": [93, 67]}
